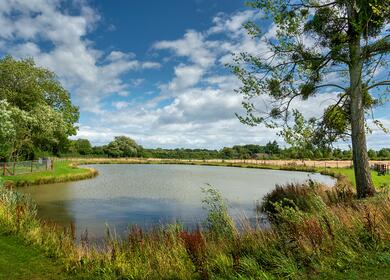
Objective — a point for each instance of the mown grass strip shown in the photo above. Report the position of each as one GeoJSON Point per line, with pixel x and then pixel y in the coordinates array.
{"type": "Point", "coordinates": [18, 261]}
{"type": "Point", "coordinates": [64, 171]}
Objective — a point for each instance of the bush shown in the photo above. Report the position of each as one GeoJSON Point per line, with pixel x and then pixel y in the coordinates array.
{"type": "Point", "coordinates": [218, 221]}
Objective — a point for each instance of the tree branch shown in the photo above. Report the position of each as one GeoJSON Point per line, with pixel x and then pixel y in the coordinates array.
{"type": "Point", "coordinates": [331, 85]}
{"type": "Point", "coordinates": [382, 83]}
{"type": "Point", "coordinates": [382, 46]}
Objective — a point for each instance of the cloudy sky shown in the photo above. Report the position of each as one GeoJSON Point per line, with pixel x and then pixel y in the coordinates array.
{"type": "Point", "coordinates": [151, 70]}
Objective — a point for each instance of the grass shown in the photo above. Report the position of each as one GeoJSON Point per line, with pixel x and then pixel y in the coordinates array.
{"type": "Point", "coordinates": [63, 171]}
{"type": "Point", "coordinates": [378, 180]}
{"type": "Point", "coordinates": [20, 261]}
{"type": "Point", "coordinates": [371, 266]}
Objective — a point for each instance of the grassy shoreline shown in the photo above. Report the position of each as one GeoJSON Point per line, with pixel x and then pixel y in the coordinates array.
{"type": "Point", "coordinates": [63, 171]}
{"type": "Point", "coordinates": [69, 170]}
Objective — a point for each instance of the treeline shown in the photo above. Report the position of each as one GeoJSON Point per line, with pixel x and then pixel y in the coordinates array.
{"type": "Point", "coordinates": [123, 146]}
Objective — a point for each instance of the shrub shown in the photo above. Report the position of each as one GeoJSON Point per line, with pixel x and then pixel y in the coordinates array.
{"type": "Point", "coordinates": [218, 221]}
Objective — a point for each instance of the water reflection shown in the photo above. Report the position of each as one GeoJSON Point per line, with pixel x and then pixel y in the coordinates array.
{"type": "Point", "coordinates": [150, 195]}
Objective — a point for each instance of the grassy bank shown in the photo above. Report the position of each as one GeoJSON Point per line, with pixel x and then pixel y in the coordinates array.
{"type": "Point", "coordinates": [378, 180]}
{"type": "Point", "coordinates": [63, 171]}
{"type": "Point", "coordinates": [23, 261]}
{"type": "Point", "coordinates": [68, 170]}
{"type": "Point", "coordinates": [316, 233]}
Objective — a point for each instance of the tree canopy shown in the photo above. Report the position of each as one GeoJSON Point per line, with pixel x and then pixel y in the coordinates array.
{"type": "Point", "coordinates": [320, 46]}
{"type": "Point", "coordinates": [37, 110]}
{"type": "Point", "coordinates": [123, 146]}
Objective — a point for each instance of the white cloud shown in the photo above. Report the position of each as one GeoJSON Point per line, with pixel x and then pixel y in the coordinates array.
{"type": "Point", "coordinates": [194, 108]}
{"type": "Point", "coordinates": [185, 77]}
{"type": "Point", "coordinates": [193, 45]}
{"type": "Point", "coordinates": [137, 82]}
{"type": "Point", "coordinates": [120, 104]}
{"type": "Point", "coordinates": [88, 72]}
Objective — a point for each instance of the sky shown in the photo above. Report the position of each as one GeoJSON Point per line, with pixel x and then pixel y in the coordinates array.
{"type": "Point", "coordinates": [151, 70]}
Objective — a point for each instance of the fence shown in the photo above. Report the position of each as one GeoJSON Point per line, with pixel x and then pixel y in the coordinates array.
{"type": "Point", "coordinates": [382, 169]}
{"type": "Point", "coordinates": [24, 167]}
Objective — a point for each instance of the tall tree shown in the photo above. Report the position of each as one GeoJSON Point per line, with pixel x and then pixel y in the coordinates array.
{"type": "Point", "coordinates": [41, 113]}
{"type": "Point", "coordinates": [316, 40]}
{"type": "Point", "coordinates": [123, 146]}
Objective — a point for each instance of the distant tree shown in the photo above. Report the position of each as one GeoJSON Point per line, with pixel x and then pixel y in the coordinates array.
{"type": "Point", "coordinates": [347, 154]}
{"type": "Point", "coordinates": [123, 146]}
{"type": "Point", "coordinates": [337, 153]}
{"type": "Point", "coordinates": [318, 154]}
{"type": "Point", "coordinates": [272, 148]}
{"type": "Point", "coordinates": [372, 154]}
{"type": "Point", "coordinates": [316, 39]}
{"type": "Point", "coordinates": [229, 153]}
{"type": "Point", "coordinates": [40, 108]}
{"type": "Point", "coordinates": [384, 153]}
{"type": "Point", "coordinates": [98, 150]}
{"type": "Point", "coordinates": [82, 146]}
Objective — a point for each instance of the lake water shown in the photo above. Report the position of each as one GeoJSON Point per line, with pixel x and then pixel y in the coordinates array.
{"type": "Point", "coordinates": [149, 195]}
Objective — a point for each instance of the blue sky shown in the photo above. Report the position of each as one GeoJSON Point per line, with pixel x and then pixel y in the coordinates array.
{"type": "Point", "coordinates": [151, 70]}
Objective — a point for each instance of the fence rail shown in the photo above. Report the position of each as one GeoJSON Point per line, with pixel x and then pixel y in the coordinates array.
{"type": "Point", "coordinates": [24, 167]}
{"type": "Point", "coordinates": [382, 169]}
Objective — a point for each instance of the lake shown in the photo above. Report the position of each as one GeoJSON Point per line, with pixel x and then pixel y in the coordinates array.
{"type": "Point", "coordinates": [149, 195]}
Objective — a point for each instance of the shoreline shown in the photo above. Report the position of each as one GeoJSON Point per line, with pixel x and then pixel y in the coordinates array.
{"type": "Point", "coordinates": [70, 170]}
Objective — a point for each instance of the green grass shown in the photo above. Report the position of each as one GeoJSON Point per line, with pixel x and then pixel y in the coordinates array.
{"type": "Point", "coordinates": [349, 173]}
{"type": "Point", "coordinates": [63, 171]}
{"type": "Point", "coordinates": [372, 266]}
{"type": "Point", "coordinates": [18, 261]}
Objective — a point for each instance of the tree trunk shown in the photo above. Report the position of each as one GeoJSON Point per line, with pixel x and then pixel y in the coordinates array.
{"type": "Point", "coordinates": [364, 185]}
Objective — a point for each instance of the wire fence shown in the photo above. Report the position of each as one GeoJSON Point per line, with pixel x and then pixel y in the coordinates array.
{"type": "Point", "coordinates": [24, 167]}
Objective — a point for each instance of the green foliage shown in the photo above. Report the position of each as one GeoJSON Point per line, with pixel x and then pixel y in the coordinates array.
{"type": "Point", "coordinates": [7, 129]}
{"type": "Point", "coordinates": [384, 153]}
{"type": "Point", "coordinates": [218, 220]}
{"type": "Point", "coordinates": [313, 41]}
{"type": "Point", "coordinates": [301, 135]}
{"type": "Point", "coordinates": [80, 146]}
{"type": "Point", "coordinates": [38, 112]}
{"type": "Point", "coordinates": [123, 146]}
{"type": "Point", "coordinates": [22, 261]}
